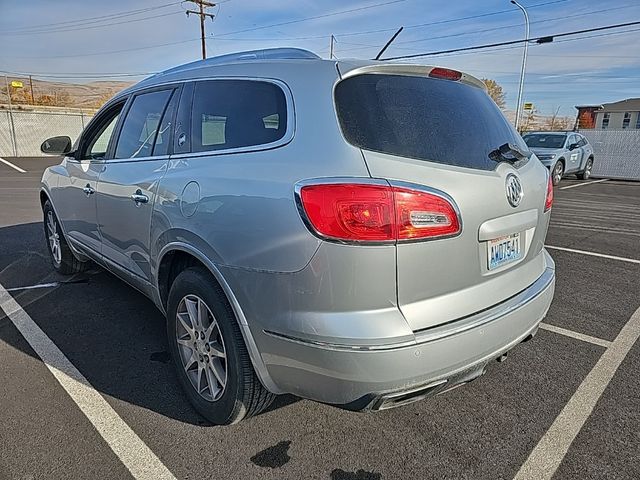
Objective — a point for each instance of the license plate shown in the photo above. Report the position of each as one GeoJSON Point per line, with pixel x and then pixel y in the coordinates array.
{"type": "Point", "coordinates": [504, 250]}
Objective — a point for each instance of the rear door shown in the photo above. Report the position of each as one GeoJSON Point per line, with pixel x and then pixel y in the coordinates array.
{"type": "Point", "coordinates": [575, 155]}
{"type": "Point", "coordinates": [586, 151]}
{"type": "Point", "coordinates": [129, 180]}
{"type": "Point", "coordinates": [438, 133]}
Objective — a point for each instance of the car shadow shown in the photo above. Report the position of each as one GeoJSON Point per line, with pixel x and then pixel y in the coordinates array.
{"type": "Point", "coordinates": [114, 335]}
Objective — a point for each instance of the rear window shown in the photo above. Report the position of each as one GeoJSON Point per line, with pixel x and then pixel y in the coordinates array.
{"type": "Point", "coordinates": [423, 118]}
{"type": "Point", "coordinates": [539, 140]}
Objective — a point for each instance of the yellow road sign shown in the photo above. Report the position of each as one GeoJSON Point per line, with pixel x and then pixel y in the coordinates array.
{"type": "Point", "coordinates": [528, 106]}
{"type": "Point", "coordinates": [16, 84]}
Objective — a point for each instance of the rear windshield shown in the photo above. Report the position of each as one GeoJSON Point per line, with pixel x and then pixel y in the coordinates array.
{"type": "Point", "coordinates": [423, 118]}
{"type": "Point", "coordinates": [539, 140]}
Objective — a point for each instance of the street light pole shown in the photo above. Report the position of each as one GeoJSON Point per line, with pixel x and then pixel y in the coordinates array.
{"type": "Point", "coordinates": [524, 62]}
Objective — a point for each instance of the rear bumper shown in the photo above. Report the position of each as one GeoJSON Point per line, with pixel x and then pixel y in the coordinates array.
{"type": "Point", "coordinates": [375, 377]}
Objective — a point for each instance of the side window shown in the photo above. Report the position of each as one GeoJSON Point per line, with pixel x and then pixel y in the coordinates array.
{"type": "Point", "coordinates": [236, 113]}
{"type": "Point", "coordinates": [140, 126]}
{"type": "Point", "coordinates": [96, 142]}
{"type": "Point", "coordinates": [163, 139]}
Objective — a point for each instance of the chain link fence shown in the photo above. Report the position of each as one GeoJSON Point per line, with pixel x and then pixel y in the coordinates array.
{"type": "Point", "coordinates": [23, 131]}
{"type": "Point", "coordinates": [616, 152]}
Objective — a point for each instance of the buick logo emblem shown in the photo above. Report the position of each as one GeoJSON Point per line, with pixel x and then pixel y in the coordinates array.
{"type": "Point", "coordinates": [514, 190]}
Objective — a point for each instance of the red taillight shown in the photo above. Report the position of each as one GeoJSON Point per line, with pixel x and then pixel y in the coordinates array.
{"type": "Point", "coordinates": [423, 215]}
{"type": "Point", "coordinates": [350, 211]}
{"type": "Point", "coordinates": [548, 202]}
{"type": "Point", "coordinates": [377, 213]}
{"type": "Point", "coordinates": [445, 74]}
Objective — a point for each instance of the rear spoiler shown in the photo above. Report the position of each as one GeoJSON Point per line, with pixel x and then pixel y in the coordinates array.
{"type": "Point", "coordinates": [351, 69]}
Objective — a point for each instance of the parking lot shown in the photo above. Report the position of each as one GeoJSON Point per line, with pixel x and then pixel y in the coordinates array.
{"type": "Point", "coordinates": [566, 404]}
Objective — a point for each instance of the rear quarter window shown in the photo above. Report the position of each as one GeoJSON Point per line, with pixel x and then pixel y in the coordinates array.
{"type": "Point", "coordinates": [422, 118]}
{"type": "Point", "coordinates": [230, 114]}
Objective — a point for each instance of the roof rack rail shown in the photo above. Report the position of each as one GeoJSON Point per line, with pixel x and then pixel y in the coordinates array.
{"type": "Point", "coordinates": [250, 55]}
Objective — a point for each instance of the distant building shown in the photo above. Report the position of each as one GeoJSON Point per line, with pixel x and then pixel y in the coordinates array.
{"type": "Point", "coordinates": [613, 116]}
{"type": "Point", "coordinates": [587, 116]}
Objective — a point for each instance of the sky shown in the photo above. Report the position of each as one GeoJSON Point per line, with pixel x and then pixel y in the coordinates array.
{"type": "Point", "coordinates": [84, 40]}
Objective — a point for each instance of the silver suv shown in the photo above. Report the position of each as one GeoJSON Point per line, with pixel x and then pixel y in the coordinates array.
{"type": "Point", "coordinates": [562, 153]}
{"type": "Point", "coordinates": [358, 233]}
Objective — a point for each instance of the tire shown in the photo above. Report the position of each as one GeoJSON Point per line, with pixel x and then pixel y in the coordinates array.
{"type": "Point", "coordinates": [557, 172]}
{"type": "Point", "coordinates": [62, 258]}
{"type": "Point", "coordinates": [220, 353]}
{"type": "Point", "coordinates": [586, 173]}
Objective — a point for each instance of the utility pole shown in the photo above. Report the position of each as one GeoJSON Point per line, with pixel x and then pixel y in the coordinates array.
{"type": "Point", "coordinates": [333, 39]}
{"type": "Point", "coordinates": [12, 125]}
{"type": "Point", "coordinates": [33, 99]}
{"type": "Point", "coordinates": [524, 62]}
{"type": "Point", "coordinates": [202, 14]}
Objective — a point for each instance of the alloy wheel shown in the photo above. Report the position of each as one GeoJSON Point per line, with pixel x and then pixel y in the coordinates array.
{"type": "Point", "coordinates": [201, 348]}
{"type": "Point", "coordinates": [557, 173]}
{"type": "Point", "coordinates": [54, 238]}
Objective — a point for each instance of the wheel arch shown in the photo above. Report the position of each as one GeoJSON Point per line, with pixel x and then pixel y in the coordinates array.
{"type": "Point", "coordinates": [44, 196]}
{"type": "Point", "coordinates": [177, 256]}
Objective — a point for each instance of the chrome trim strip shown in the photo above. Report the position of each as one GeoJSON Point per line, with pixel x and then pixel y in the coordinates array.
{"type": "Point", "coordinates": [291, 114]}
{"type": "Point", "coordinates": [515, 303]}
{"type": "Point", "coordinates": [452, 328]}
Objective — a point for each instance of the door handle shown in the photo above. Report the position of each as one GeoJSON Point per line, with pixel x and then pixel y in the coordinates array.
{"type": "Point", "coordinates": [139, 197]}
{"type": "Point", "coordinates": [88, 190]}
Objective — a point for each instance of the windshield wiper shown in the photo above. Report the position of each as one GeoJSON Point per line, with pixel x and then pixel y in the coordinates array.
{"type": "Point", "coordinates": [509, 153]}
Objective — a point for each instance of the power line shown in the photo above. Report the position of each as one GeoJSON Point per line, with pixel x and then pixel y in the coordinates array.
{"type": "Point", "coordinates": [78, 75]}
{"type": "Point", "coordinates": [108, 52]}
{"type": "Point", "coordinates": [383, 30]}
{"type": "Point", "coordinates": [315, 17]}
{"type": "Point", "coordinates": [565, 17]}
{"type": "Point", "coordinates": [544, 20]}
{"type": "Point", "coordinates": [495, 51]}
{"type": "Point", "coordinates": [511, 42]}
{"type": "Point", "coordinates": [85, 21]}
{"type": "Point", "coordinates": [90, 27]}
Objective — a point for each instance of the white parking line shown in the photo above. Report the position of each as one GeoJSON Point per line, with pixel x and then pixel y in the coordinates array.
{"type": "Point", "coordinates": [576, 335]}
{"type": "Point", "coordinates": [582, 184]}
{"type": "Point", "coordinates": [130, 449]}
{"type": "Point", "coordinates": [592, 229]}
{"type": "Point", "coordinates": [32, 287]}
{"type": "Point", "coordinates": [594, 254]}
{"type": "Point", "coordinates": [6, 162]}
{"type": "Point", "coordinates": [547, 455]}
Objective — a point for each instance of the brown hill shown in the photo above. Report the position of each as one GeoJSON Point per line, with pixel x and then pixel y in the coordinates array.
{"type": "Point", "coordinates": [63, 94]}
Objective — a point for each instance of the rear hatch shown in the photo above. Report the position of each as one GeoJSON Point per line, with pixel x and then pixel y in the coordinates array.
{"type": "Point", "coordinates": [438, 133]}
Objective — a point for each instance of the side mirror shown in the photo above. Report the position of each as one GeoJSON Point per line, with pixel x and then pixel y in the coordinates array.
{"type": "Point", "coordinates": [573, 146]}
{"type": "Point", "coordinates": [56, 146]}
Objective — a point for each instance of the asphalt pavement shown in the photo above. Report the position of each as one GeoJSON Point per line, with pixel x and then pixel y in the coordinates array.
{"type": "Point", "coordinates": [495, 427]}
